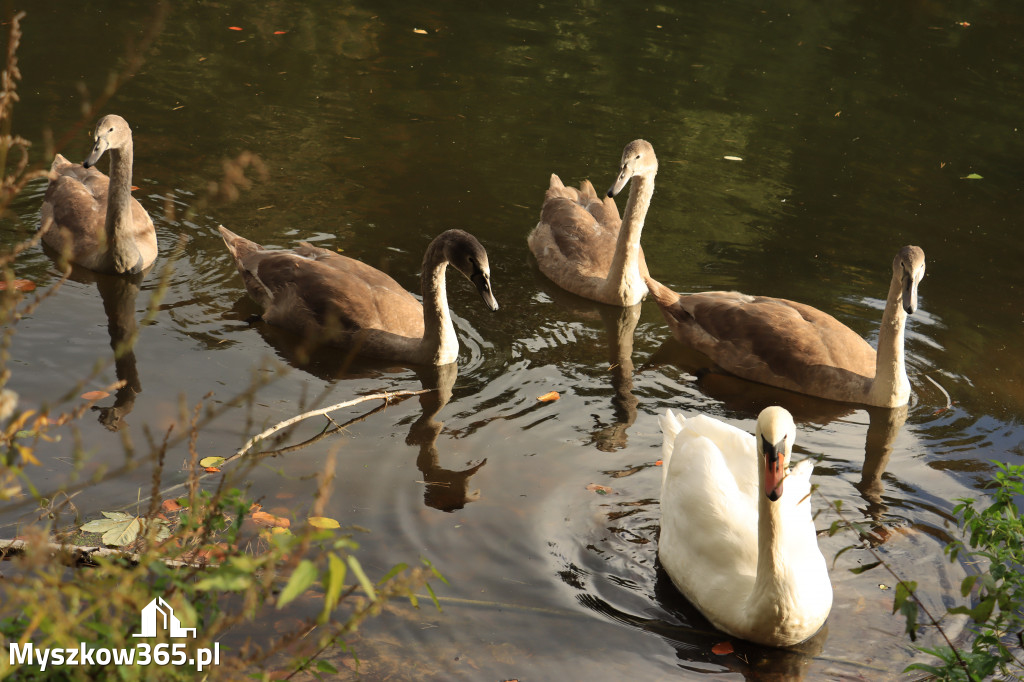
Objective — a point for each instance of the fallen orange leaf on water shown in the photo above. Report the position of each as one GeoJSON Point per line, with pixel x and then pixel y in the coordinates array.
{"type": "Point", "coordinates": [722, 648]}
{"type": "Point", "coordinates": [420, 31]}
{"type": "Point", "coordinates": [599, 489]}
{"type": "Point", "coordinates": [234, 28]}
{"type": "Point", "coordinates": [549, 397]}
{"type": "Point", "coordinates": [264, 519]}
{"type": "Point", "coordinates": [279, 33]}
{"type": "Point", "coordinates": [19, 285]}
{"type": "Point", "coordinates": [170, 506]}
{"type": "Point", "coordinates": [211, 470]}
{"type": "Point", "coordinates": [658, 463]}
{"type": "Point", "coordinates": [94, 395]}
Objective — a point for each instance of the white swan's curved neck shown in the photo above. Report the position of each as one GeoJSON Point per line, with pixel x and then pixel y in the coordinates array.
{"type": "Point", "coordinates": [770, 559]}
{"type": "Point", "coordinates": [119, 224]}
{"type": "Point", "coordinates": [891, 386]}
{"type": "Point", "coordinates": [440, 345]}
{"type": "Point", "coordinates": [624, 273]}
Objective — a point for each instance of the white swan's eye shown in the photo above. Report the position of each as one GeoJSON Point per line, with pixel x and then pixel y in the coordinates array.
{"type": "Point", "coordinates": [638, 156]}
{"type": "Point", "coordinates": [112, 130]}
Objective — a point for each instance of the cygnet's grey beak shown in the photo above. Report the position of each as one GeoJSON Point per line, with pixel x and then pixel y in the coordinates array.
{"type": "Point", "coordinates": [97, 151]}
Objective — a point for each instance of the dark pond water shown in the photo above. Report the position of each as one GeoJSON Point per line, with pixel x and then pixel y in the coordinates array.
{"type": "Point", "coordinates": [857, 125]}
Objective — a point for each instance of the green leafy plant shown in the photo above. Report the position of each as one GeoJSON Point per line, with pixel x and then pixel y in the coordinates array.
{"type": "Point", "coordinates": [995, 542]}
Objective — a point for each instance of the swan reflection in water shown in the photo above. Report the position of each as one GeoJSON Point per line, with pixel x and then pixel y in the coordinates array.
{"type": "Point", "coordinates": [620, 324]}
{"type": "Point", "coordinates": [445, 489]}
{"type": "Point", "coordinates": [118, 293]}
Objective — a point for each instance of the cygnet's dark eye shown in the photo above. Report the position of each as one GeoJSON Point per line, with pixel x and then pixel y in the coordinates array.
{"type": "Point", "coordinates": [112, 130]}
{"type": "Point", "coordinates": [638, 156]}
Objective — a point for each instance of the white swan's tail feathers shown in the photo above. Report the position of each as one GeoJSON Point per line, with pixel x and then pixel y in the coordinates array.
{"type": "Point", "coordinates": [671, 424]}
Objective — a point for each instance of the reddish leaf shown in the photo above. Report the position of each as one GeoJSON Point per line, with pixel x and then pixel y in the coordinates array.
{"type": "Point", "coordinates": [658, 463]}
{"type": "Point", "coordinates": [19, 284]}
{"type": "Point", "coordinates": [234, 28]}
{"type": "Point", "coordinates": [600, 489]}
{"type": "Point", "coordinates": [94, 395]}
{"type": "Point", "coordinates": [549, 397]}
{"type": "Point", "coordinates": [722, 648]}
{"type": "Point", "coordinates": [170, 506]}
{"type": "Point", "coordinates": [279, 33]}
{"type": "Point", "coordinates": [211, 470]}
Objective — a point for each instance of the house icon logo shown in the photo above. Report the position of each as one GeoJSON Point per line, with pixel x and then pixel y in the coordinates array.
{"type": "Point", "coordinates": [158, 614]}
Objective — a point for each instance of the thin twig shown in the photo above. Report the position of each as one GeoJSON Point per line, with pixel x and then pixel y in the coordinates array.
{"type": "Point", "coordinates": [386, 397]}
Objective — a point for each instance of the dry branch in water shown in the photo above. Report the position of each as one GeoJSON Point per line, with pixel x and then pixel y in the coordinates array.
{"type": "Point", "coordinates": [386, 397]}
{"type": "Point", "coordinates": [75, 555]}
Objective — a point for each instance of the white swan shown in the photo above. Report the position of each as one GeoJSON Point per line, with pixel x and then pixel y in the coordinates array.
{"type": "Point", "coordinates": [737, 537]}
{"type": "Point", "coordinates": [94, 221]}
{"type": "Point", "coordinates": [794, 346]}
{"type": "Point", "coordinates": [333, 300]}
{"type": "Point", "coordinates": [581, 244]}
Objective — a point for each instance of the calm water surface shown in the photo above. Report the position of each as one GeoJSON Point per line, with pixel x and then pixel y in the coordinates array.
{"type": "Point", "coordinates": [856, 126]}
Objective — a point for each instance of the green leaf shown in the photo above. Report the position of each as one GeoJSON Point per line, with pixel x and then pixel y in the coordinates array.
{"type": "Point", "coordinates": [433, 569]}
{"type": "Point", "coordinates": [904, 589]}
{"type": "Point", "coordinates": [211, 461]}
{"type": "Point", "coordinates": [967, 584]}
{"type": "Point", "coordinates": [843, 551]}
{"type": "Point", "coordinates": [866, 567]}
{"type": "Point", "coordinates": [357, 570]}
{"type": "Point", "coordinates": [909, 611]}
{"type": "Point", "coordinates": [395, 570]}
{"type": "Point", "coordinates": [433, 597]}
{"type": "Point", "coordinates": [305, 574]}
{"type": "Point", "coordinates": [326, 667]}
{"type": "Point", "coordinates": [971, 176]}
{"type": "Point", "coordinates": [225, 580]}
{"type": "Point", "coordinates": [335, 583]}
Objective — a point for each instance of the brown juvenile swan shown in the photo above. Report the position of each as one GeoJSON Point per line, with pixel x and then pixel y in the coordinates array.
{"type": "Point", "coordinates": [797, 347]}
{"type": "Point", "coordinates": [581, 244]}
{"type": "Point", "coordinates": [330, 299]}
{"type": "Point", "coordinates": [94, 221]}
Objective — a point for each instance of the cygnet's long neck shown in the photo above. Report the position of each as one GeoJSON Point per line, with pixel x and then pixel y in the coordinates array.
{"type": "Point", "coordinates": [440, 345]}
{"type": "Point", "coordinates": [119, 224]}
{"type": "Point", "coordinates": [625, 269]}
{"type": "Point", "coordinates": [891, 386]}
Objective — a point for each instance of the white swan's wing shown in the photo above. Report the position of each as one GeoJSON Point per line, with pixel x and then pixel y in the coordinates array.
{"type": "Point", "coordinates": [707, 522]}
{"type": "Point", "coordinates": [737, 448]}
